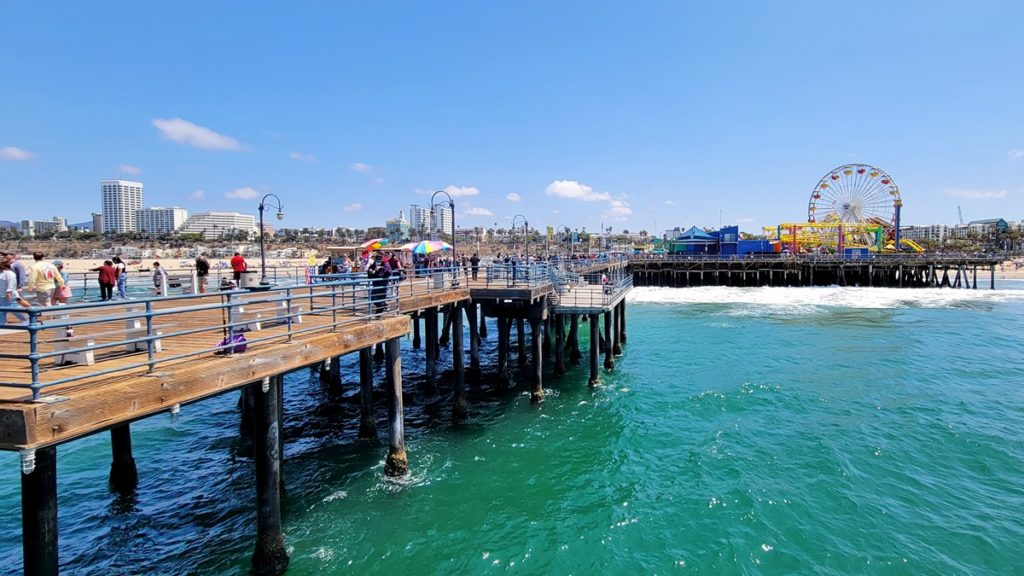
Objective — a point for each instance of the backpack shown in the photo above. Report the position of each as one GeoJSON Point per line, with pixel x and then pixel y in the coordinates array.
{"type": "Point", "coordinates": [234, 344]}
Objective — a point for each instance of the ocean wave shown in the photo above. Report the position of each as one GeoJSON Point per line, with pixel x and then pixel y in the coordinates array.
{"type": "Point", "coordinates": [806, 300]}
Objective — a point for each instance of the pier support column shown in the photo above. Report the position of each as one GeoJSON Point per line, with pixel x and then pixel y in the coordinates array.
{"type": "Point", "coordinates": [992, 277]}
{"type": "Point", "coordinates": [367, 422]}
{"type": "Point", "coordinates": [416, 331]}
{"type": "Point", "coordinates": [446, 327]}
{"type": "Point", "coordinates": [574, 339]}
{"type": "Point", "coordinates": [622, 321]}
{"type": "Point", "coordinates": [459, 411]}
{"type": "Point", "coordinates": [545, 328]}
{"type": "Point", "coordinates": [537, 341]}
{"type": "Point", "coordinates": [483, 325]}
{"type": "Point", "coordinates": [503, 351]}
{"type": "Point", "coordinates": [559, 345]}
{"type": "Point", "coordinates": [521, 342]}
{"type": "Point", "coordinates": [609, 362]}
{"type": "Point", "coordinates": [334, 383]}
{"type": "Point", "coordinates": [595, 343]}
{"type": "Point", "coordinates": [124, 476]}
{"type": "Point", "coordinates": [246, 404]}
{"type": "Point", "coordinates": [39, 513]}
{"type": "Point", "coordinates": [474, 342]}
{"type": "Point", "coordinates": [397, 464]}
{"type": "Point", "coordinates": [378, 352]}
{"type": "Point", "coordinates": [270, 556]}
{"type": "Point", "coordinates": [430, 332]}
{"type": "Point", "coordinates": [616, 346]}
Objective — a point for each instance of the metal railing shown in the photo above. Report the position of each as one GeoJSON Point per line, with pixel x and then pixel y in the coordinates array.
{"type": "Point", "coordinates": [814, 258]}
{"type": "Point", "coordinates": [159, 326]}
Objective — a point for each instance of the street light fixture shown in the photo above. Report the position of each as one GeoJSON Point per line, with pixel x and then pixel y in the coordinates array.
{"type": "Point", "coordinates": [526, 236]}
{"type": "Point", "coordinates": [451, 206]}
{"type": "Point", "coordinates": [280, 216]}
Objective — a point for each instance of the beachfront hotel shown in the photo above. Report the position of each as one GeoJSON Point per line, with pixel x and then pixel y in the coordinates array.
{"type": "Point", "coordinates": [121, 198]}
{"type": "Point", "coordinates": [159, 220]}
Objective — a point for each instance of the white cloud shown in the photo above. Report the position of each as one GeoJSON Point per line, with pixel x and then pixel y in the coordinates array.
{"type": "Point", "coordinates": [455, 191]}
{"type": "Point", "coordinates": [198, 195]}
{"type": "Point", "coordinates": [975, 193]}
{"type": "Point", "coordinates": [669, 203]}
{"type": "Point", "coordinates": [1016, 153]}
{"type": "Point", "coordinates": [129, 169]}
{"type": "Point", "coordinates": [246, 193]}
{"type": "Point", "coordinates": [576, 191]}
{"type": "Point", "coordinates": [477, 211]}
{"type": "Point", "coordinates": [360, 167]}
{"type": "Point", "coordinates": [299, 156]}
{"type": "Point", "coordinates": [356, 207]}
{"type": "Point", "coordinates": [617, 210]}
{"type": "Point", "coordinates": [185, 132]}
{"type": "Point", "coordinates": [513, 197]}
{"type": "Point", "coordinates": [16, 154]}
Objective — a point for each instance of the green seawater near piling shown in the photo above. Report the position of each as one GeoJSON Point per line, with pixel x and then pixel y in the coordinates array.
{"type": "Point", "coordinates": [743, 431]}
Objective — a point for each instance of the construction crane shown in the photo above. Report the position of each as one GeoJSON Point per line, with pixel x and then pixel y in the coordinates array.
{"type": "Point", "coordinates": [960, 213]}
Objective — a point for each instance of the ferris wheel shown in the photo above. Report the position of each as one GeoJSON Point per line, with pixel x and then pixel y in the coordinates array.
{"type": "Point", "coordinates": [855, 194]}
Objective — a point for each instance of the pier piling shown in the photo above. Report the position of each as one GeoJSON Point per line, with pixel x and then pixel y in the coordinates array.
{"type": "Point", "coordinates": [521, 342]}
{"type": "Point", "coordinates": [474, 342]}
{"type": "Point", "coordinates": [503, 380]}
{"type": "Point", "coordinates": [397, 464]}
{"type": "Point", "coordinates": [430, 328]}
{"type": "Point", "coordinates": [609, 362]}
{"type": "Point", "coordinates": [595, 342]}
{"type": "Point", "coordinates": [622, 321]}
{"type": "Point", "coordinates": [416, 331]}
{"type": "Point", "coordinates": [537, 340]}
{"type": "Point", "coordinates": [559, 321]}
{"type": "Point", "coordinates": [574, 339]}
{"type": "Point", "coordinates": [39, 512]}
{"type": "Point", "coordinates": [270, 557]}
{"type": "Point", "coordinates": [124, 476]}
{"type": "Point", "coordinates": [459, 411]}
{"type": "Point", "coordinates": [367, 422]}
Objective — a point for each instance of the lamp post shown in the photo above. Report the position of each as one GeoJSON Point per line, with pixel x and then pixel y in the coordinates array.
{"type": "Point", "coordinates": [280, 216]}
{"type": "Point", "coordinates": [451, 206]}
{"type": "Point", "coordinates": [526, 236]}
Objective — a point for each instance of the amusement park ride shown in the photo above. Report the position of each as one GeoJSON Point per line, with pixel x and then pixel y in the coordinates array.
{"type": "Point", "coordinates": [854, 208]}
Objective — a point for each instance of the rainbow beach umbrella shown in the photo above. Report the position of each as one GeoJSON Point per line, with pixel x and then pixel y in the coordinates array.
{"type": "Point", "coordinates": [375, 244]}
{"type": "Point", "coordinates": [430, 246]}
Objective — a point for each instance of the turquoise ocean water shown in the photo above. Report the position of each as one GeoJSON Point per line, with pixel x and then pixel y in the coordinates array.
{"type": "Point", "coordinates": [744, 431]}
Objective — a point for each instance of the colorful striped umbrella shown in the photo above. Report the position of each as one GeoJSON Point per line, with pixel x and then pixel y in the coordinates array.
{"type": "Point", "coordinates": [430, 246]}
{"type": "Point", "coordinates": [375, 244]}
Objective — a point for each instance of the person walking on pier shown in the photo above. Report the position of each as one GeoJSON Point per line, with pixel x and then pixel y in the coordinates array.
{"type": "Point", "coordinates": [474, 264]}
{"type": "Point", "coordinates": [20, 272]}
{"type": "Point", "coordinates": [202, 273]}
{"type": "Point", "coordinates": [378, 272]}
{"type": "Point", "coordinates": [121, 272]}
{"type": "Point", "coordinates": [107, 278]}
{"type": "Point", "coordinates": [43, 279]}
{"type": "Point", "coordinates": [159, 279]}
{"type": "Point", "coordinates": [238, 266]}
{"type": "Point", "coordinates": [9, 295]}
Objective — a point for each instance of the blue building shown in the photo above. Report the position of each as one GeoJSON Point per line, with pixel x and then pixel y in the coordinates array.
{"type": "Point", "coordinates": [724, 242]}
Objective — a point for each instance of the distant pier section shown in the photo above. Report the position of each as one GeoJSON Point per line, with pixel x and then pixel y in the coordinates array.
{"type": "Point", "coordinates": [873, 270]}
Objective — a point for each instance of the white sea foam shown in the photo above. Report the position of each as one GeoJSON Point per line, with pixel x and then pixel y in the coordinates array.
{"type": "Point", "coordinates": [795, 300]}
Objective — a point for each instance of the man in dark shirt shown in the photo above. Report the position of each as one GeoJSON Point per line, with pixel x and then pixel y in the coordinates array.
{"type": "Point", "coordinates": [474, 263]}
{"type": "Point", "coordinates": [202, 272]}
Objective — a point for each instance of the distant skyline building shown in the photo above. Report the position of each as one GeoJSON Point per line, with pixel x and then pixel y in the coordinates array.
{"type": "Point", "coordinates": [31, 228]}
{"type": "Point", "coordinates": [214, 225]}
{"type": "Point", "coordinates": [397, 228]}
{"type": "Point", "coordinates": [444, 220]}
{"type": "Point", "coordinates": [121, 198]}
{"type": "Point", "coordinates": [97, 222]}
{"type": "Point", "coordinates": [159, 220]}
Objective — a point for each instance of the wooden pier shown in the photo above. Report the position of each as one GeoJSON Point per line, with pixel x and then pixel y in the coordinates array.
{"type": "Point", "coordinates": [890, 271]}
{"type": "Point", "coordinates": [80, 369]}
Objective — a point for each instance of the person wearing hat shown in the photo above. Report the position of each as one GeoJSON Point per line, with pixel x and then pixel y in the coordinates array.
{"type": "Point", "coordinates": [20, 272]}
{"type": "Point", "coordinates": [62, 294]}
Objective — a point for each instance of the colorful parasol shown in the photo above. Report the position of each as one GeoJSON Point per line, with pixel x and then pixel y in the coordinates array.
{"type": "Point", "coordinates": [375, 244]}
{"type": "Point", "coordinates": [430, 246]}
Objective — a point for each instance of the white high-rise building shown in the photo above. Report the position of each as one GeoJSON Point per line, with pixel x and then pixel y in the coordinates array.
{"type": "Point", "coordinates": [421, 223]}
{"type": "Point", "coordinates": [419, 220]}
{"type": "Point", "coordinates": [121, 198]}
{"type": "Point", "coordinates": [217, 224]}
{"type": "Point", "coordinates": [157, 220]}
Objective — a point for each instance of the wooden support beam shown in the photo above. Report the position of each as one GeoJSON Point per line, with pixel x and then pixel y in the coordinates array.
{"type": "Point", "coordinates": [609, 362]}
{"type": "Point", "coordinates": [503, 345]}
{"type": "Point", "coordinates": [270, 557]}
{"type": "Point", "coordinates": [622, 321]}
{"type": "Point", "coordinates": [39, 511]}
{"type": "Point", "coordinates": [397, 463]}
{"type": "Point", "coordinates": [124, 476]}
{"type": "Point", "coordinates": [335, 384]}
{"type": "Point", "coordinates": [559, 320]}
{"type": "Point", "coordinates": [430, 330]}
{"type": "Point", "coordinates": [446, 327]}
{"type": "Point", "coordinates": [616, 346]}
{"type": "Point", "coordinates": [537, 339]}
{"type": "Point", "coordinates": [521, 358]}
{"type": "Point", "coordinates": [483, 324]}
{"type": "Point", "coordinates": [474, 342]}
{"type": "Point", "coordinates": [416, 331]}
{"type": "Point", "coordinates": [595, 342]}
{"type": "Point", "coordinates": [367, 421]}
{"type": "Point", "coordinates": [574, 339]}
{"type": "Point", "coordinates": [459, 411]}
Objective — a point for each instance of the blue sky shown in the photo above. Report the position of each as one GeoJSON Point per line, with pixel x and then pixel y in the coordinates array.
{"type": "Point", "coordinates": [641, 115]}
